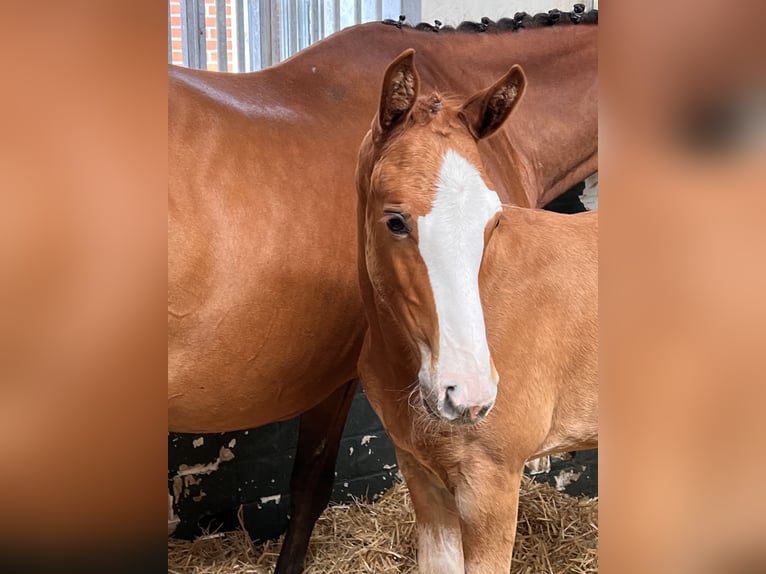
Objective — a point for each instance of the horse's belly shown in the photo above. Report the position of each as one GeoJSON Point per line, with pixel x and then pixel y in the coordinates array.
{"type": "Point", "coordinates": [269, 337]}
{"type": "Point", "coordinates": [241, 373]}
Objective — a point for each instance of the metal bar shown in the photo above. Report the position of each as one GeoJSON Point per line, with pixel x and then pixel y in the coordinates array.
{"type": "Point", "coordinates": [379, 10]}
{"type": "Point", "coordinates": [277, 38]}
{"type": "Point", "coordinates": [184, 34]}
{"type": "Point", "coordinates": [220, 33]}
{"type": "Point", "coordinates": [260, 28]}
{"type": "Point", "coordinates": [201, 34]}
{"type": "Point", "coordinates": [193, 32]}
{"type": "Point", "coordinates": [239, 12]}
{"type": "Point", "coordinates": [328, 8]}
{"type": "Point", "coordinates": [254, 34]}
{"type": "Point", "coordinates": [292, 18]}
{"type": "Point", "coordinates": [336, 4]}
{"type": "Point", "coordinates": [313, 31]}
{"type": "Point", "coordinates": [299, 24]}
{"type": "Point", "coordinates": [357, 11]}
{"type": "Point", "coordinates": [319, 17]}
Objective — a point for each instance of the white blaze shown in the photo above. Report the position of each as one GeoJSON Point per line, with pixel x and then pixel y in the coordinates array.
{"type": "Point", "coordinates": [451, 242]}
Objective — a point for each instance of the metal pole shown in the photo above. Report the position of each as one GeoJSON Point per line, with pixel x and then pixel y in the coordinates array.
{"type": "Point", "coordinates": [239, 11]}
{"type": "Point", "coordinates": [193, 33]}
{"type": "Point", "coordinates": [221, 35]}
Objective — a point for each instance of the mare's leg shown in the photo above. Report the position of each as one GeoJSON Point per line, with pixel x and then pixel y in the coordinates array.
{"type": "Point", "coordinates": [487, 502]}
{"type": "Point", "coordinates": [439, 547]}
{"type": "Point", "coordinates": [313, 474]}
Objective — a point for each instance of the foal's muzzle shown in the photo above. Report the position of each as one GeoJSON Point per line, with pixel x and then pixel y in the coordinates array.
{"type": "Point", "coordinates": [455, 405]}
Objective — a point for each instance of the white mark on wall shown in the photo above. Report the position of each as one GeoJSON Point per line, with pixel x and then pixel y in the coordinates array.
{"type": "Point", "coordinates": [539, 465]}
{"type": "Point", "coordinates": [389, 466]}
{"type": "Point", "coordinates": [187, 477]}
{"type": "Point", "coordinates": [232, 443]}
{"type": "Point", "coordinates": [565, 477]}
{"type": "Point", "coordinates": [350, 451]}
{"type": "Point", "coordinates": [589, 196]}
{"type": "Point", "coordinates": [275, 499]}
{"type": "Point", "coordinates": [173, 519]}
{"type": "Point", "coordinates": [367, 438]}
{"type": "Point", "coordinates": [224, 455]}
{"type": "Point", "coordinates": [197, 442]}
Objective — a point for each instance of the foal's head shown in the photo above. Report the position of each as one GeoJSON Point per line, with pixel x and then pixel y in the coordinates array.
{"type": "Point", "coordinates": [429, 211]}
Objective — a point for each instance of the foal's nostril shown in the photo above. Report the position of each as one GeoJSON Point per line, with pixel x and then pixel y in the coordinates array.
{"type": "Point", "coordinates": [474, 412]}
{"type": "Point", "coordinates": [449, 403]}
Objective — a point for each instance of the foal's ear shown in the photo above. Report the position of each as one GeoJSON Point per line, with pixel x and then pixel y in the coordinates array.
{"type": "Point", "coordinates": [486, 111]}
{"type": "Point", "coordinates": [400, 90]}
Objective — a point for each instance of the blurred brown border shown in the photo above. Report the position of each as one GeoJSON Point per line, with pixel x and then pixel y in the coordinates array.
{"type": "Point", "coordinates": [82, 285]}
{"type": "Point", "coordinates": [682, 159]}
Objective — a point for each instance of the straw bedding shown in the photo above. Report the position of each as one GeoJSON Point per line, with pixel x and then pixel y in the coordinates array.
{"type": "Point", "coordinates": [556, 534]}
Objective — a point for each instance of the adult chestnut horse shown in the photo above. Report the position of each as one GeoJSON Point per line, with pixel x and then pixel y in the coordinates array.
{"type": "Point", "coordinates": [482, 345]}
{"type": "Point", "coordinates": [265, 321]}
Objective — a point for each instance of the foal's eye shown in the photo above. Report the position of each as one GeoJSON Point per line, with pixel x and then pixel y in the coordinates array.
{"type": "Point", "coordinates": [397, 225]}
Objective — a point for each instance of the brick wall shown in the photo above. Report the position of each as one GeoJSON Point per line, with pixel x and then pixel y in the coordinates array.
{"type": "Point", "coordinates": [211, 37]}
{"type": "Point", "coordinates": [175, 31]}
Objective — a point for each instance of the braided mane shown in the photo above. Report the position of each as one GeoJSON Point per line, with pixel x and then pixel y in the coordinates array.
{"type": "Point", "coordinates": [520, 20]}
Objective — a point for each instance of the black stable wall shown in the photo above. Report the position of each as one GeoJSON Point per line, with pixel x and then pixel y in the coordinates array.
{"type": "Point", "coordinates": [258, 475]}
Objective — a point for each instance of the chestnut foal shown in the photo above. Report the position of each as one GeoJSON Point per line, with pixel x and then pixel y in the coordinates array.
{"type": "Point", "coordinates": [481, 349]}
